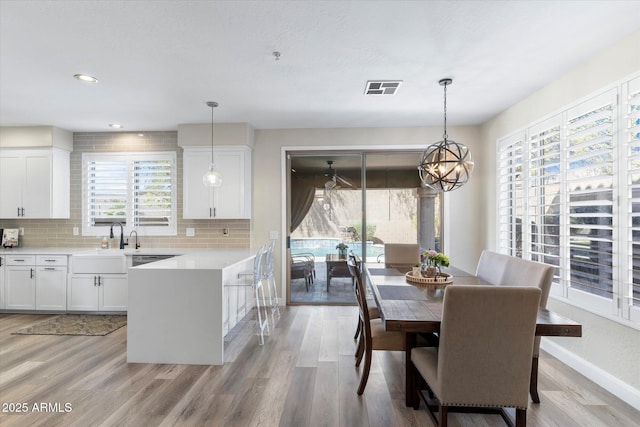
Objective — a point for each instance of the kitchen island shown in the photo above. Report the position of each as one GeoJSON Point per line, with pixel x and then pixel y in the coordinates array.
{"type": "Point", "coordinates": [176, 306]}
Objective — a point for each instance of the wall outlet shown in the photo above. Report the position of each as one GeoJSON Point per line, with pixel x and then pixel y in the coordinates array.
{"type": "Point", "coordinates": [75, 231]}
{"type": "Point", "coordinates": [191, 232]}
{"type": "Point", "coordinates": [22, 231]}
{"type": "Point", "coordinates": [225, 232]}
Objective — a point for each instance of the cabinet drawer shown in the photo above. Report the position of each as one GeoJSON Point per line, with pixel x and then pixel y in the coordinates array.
{"type": "Point", "coordinates": [51, 260]}
{"type": "Point", "coordinates": [21, 259]}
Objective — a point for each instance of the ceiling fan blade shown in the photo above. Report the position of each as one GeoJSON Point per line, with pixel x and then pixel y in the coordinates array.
{"type": "Point", "coordinates": [344, 181]}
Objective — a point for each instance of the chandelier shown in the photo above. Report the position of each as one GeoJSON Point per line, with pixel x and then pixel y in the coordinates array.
{"type": "Point", "coordinates": [445, 165]}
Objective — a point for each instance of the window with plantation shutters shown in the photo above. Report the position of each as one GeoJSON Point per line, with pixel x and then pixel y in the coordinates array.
{"type": "Point", "coordinates": [569, 195]}
{"type": "Point", "coordinates": [631, 228]}
{"type": "Point", "coordinates": [135, 189]}
{"type": "Point", "coordinates": [511, 194]}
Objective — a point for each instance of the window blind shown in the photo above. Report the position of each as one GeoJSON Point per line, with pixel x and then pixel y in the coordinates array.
{"type": "Point", "coordinates": [633, 182]}
{"type": "Point", "coordinates": [590, 143]}
{"type": "Point", "coordinates": [511, 194]}
{"type": "Point", "coordinates": [544, 191]}
{"type": "Point", "coordinates": [107, 192]}
{"type": "Point", "coordinates": [152, 193]}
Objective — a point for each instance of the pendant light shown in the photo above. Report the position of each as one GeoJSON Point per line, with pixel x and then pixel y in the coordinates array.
{"type": "Point", "coordinates": [445, 165]}
{"type": "Point", "coordinates": [212, 177]}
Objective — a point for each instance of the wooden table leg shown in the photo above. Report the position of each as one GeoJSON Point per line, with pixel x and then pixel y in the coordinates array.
{"type": "Point", "coordinates": [410, 342]}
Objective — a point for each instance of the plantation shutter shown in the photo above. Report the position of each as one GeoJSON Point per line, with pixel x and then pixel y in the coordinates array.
{"type": "Point", "coordinates": [632, 279]}
{"type": "Point", "coordinates": [544, 191]}
{"type": "Point", "coordinates": [510, 194]}
{"type": "Point", "coordinates": [152, 192]}
{"type": "Point", "coordinates": [589, 179]}
{"type": "Point", "coordinates": [107, 192]}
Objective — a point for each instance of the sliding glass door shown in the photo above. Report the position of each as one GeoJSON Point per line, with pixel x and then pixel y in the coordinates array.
{"type": "Point", "coordinates": [356, 202]}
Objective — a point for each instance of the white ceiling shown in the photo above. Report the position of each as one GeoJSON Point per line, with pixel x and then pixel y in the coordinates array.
{"type": "Point", "coordinates": [158, 62]}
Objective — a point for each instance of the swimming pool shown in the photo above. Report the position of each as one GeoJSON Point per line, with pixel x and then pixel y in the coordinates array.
{"type": "Point", "coordinates": [321, 246]}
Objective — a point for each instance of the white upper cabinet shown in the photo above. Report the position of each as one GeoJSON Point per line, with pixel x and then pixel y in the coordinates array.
{"type": "Point", "coordinates": [232, 200]}
{"type": "Point", "coordinates": [34, 183]}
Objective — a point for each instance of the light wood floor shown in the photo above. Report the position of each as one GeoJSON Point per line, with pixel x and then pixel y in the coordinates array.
{"type": "Point", "coordinates": [303, 376]}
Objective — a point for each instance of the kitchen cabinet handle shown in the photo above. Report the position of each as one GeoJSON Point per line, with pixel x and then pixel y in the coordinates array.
{"type": "Point", "coordinates": [31, 273]}
{"type": "Point", "coordinates": [50, 268]}
{"type": "Point", "coordinates": [18, 260]}
{"type": "Point", "coordinates": [95, 280]}
{"type": "Point", "coordinates": [50, 260]}
{"type": "Point", "coordinates": [210, 212]}
{"type": "Point", "coordinates": [99, 280]}
{"type": "Point", "coordinates": [214, 212]}
{"type": "Point", "coordinates": [18, 211]}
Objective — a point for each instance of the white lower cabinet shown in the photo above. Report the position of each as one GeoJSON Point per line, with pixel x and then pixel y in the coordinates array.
{"type": "Point", "coordinates": [20, 287]}
{"type": "Point", "coordinates": [20, 282]}
{"type": "Point", "coordinates": [51, 288]}
{"type": "Point", "coordinates": [2, 299]}
{"type": "Point", "coordinates": [51, 282]}
{"type": "Point", "coordinates": [97, 292]}
{"type": "Point", "coordinates": [35, 282]}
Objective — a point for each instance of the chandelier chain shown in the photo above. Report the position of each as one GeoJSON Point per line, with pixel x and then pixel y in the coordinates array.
{"type": "Point", "coordinates": [444, 135]}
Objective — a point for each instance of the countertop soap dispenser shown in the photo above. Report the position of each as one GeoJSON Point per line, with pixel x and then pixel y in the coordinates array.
{"type": "Point", "coordinates": [105, 243]}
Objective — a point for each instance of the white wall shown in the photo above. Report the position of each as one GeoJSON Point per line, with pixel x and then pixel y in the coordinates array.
{"type": "Point", "coordinates": [464, 239]}
{"type": "Point", "coordinates": [608, 351]}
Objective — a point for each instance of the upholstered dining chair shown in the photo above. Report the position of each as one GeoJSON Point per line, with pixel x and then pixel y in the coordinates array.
{"type": "Point", "coordinates": [401, 254]}
{"type": "Point", "coordinates": [500, 269]}
{"type": "Point", "coordinates": [484, 356]}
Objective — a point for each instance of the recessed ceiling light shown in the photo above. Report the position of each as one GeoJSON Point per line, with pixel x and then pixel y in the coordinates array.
{"type": "Point", "coordinates": [115, 125]}
{"type": "Point", "coordinates": [86, 78]}
{"type": "Point", "coordinates": [141, 134]}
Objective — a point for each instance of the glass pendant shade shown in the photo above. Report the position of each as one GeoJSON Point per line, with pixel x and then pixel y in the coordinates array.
{"type": "Point", "coordinates": [446, 165]}
{"type": "Point", "coordinates": [212, 177]}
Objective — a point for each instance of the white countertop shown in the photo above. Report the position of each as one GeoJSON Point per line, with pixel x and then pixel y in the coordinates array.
{"type": "Point", "coordinates": [74, 251]}
{"type": "Point", "coordinates": [202, 259]}
{"type": "Point", "coordinates": [39, 251]}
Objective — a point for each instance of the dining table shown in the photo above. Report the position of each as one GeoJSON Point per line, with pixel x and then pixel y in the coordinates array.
{"type": "Point", "coordinates": [412, 307]}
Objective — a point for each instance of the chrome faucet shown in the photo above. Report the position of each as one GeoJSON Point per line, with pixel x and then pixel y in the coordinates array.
{"type": "Point", "coordinates": [122, 243]}
{"type": "Point", "coordinates": [137, 244]}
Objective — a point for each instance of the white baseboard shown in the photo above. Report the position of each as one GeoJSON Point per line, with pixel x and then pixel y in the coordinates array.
{"type": "Point", "coordinates": [620, 389]}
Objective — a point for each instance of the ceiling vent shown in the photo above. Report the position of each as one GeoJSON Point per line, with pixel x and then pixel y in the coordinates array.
{"type": "Point", "coordinates": [382, 87]}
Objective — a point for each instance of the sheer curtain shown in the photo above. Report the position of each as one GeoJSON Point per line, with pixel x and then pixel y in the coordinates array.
{"type": "Point", "coordinates": [302, 194]}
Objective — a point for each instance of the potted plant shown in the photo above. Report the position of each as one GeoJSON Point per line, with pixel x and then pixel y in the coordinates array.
{"type": "Point", "coordinates": [416, 270]}
{"type": "Point", "coordinates": [342, 250]}
{"type": "Point", "coordinates": [432, 261]}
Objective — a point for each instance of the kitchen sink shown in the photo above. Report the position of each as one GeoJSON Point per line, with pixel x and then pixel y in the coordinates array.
{"type": "Point", "coordinates": [146, 259]}
{"type": "Point", "coordinates": [99, 261]}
